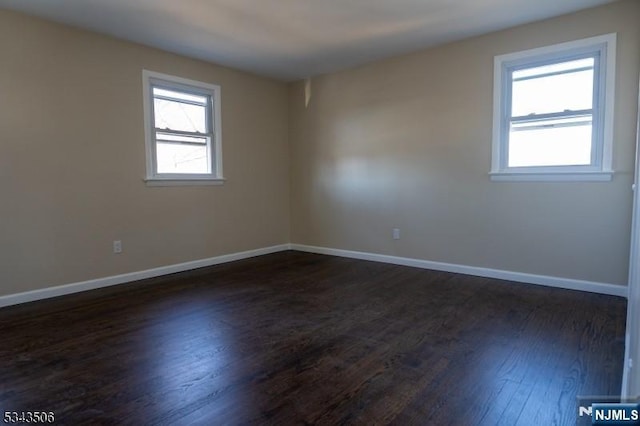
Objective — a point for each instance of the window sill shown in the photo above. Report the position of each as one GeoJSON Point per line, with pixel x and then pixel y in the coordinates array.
{"type": "Point", "coordinates": [605, 176]}
{"type": "Point", "coordinates": [184, 182]}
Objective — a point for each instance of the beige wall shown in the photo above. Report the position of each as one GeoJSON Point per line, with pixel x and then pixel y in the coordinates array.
{"type": "Point", "coordinates": [400, 143]}
{"type": "Point", "coordinates": [72, 160]}
{"type": "Point", "coordinates": [407, 143]}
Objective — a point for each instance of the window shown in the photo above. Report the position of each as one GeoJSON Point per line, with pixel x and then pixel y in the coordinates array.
{"type": "Point", "coordinates": [553, 112]}
{"type": "Point", "coordinates": [182, 126]}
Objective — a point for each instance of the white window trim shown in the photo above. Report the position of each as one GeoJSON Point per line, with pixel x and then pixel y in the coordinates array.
{"type": "Point", "coordinates": [172, 179]}
{"type": "Point", "coordinates": [599, 172]}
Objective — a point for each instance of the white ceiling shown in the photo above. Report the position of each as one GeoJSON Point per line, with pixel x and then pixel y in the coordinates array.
{"type": "Point", "coordinates": [294, 39]}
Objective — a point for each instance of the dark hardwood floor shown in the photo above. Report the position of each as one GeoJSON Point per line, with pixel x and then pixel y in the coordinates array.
{"type": "Point", "coordinates": [296, 338]}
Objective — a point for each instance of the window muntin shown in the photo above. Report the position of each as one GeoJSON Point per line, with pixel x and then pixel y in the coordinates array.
{"type": "Point", "coordinates": [183, 129]}
{"type": "Point", "coordinates": [553, 111]}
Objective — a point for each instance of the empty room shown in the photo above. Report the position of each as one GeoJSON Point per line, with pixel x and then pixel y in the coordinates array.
{"type": "Point", "coordinates": [319, 212]}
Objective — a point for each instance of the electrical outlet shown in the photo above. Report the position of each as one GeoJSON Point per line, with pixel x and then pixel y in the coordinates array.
{"type": "Point", "coordinates": [117, 247]}
{"type": "Point", "coordinates": [396, 233]}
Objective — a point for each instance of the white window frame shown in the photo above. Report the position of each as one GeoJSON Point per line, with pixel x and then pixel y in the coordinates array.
{"type": "Point", "coordinates": [152, 79]}
{"type": "Point", "coordinates": [600, 168]}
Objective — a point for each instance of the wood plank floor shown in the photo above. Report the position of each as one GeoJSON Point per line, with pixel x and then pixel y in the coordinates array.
{"type": "Point", "coordinates": [297, 338]}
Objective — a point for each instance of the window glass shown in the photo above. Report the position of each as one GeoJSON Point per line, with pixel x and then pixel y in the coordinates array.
{"type": "Point", "coordinates": [542, 92]}
{"type": "Point", "coordinates": [178, 158]}
{"type": "Point", "coordinates": [179, 116]}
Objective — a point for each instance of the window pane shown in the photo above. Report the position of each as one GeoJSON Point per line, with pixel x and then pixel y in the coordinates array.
{"type": "Point", "coordinates": [552, 93]}
{"type": "Point", "coordinates": [181, 158]}
{"type": "Point", "coordinates": [174, 115]}
{"type": "Point", "coordinates": [550, 146]}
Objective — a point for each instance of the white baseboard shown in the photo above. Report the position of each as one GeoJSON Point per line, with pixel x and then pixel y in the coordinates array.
{"type": "Point", "coordinates": [46, 293]}
{"type": "Point", "coordinates": [566, 283]}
